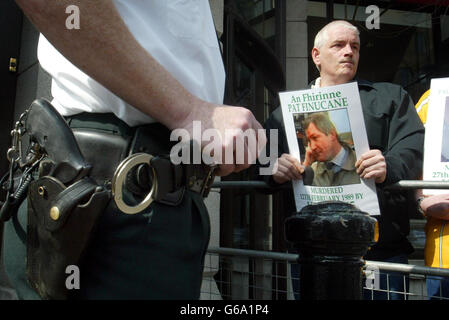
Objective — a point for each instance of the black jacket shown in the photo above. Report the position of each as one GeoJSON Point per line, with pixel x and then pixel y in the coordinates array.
{"type": "Point", "coordinates": [393, 127]}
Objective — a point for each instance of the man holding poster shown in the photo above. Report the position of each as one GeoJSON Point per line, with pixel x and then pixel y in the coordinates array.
{"type": "Point", "coordinates": [395, 136]}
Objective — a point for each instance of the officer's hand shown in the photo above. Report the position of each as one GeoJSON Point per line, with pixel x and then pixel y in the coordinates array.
{"type": "Point", "coordinates": [232, 124]}
{"type": "Point", "coordinates": [372, 165]}
{"type": "Point", "coordinates": [287, 168]}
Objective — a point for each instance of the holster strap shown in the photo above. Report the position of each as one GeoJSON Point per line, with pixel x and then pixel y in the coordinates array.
{"type": "Point", "coordinates": [68, 199]}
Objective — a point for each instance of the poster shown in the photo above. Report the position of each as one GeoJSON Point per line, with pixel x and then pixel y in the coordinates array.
{"type": "Point", "coordinates": [436, 141]}
{"type": "Point", "coordinates": [326, 131]}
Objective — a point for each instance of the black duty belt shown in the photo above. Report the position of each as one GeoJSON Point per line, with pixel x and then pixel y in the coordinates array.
{"type": "Point", "coordinates": [135, 162]}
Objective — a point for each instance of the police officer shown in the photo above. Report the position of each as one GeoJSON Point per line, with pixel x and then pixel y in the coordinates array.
{"type": "Point", "coordinates": [133, 63]}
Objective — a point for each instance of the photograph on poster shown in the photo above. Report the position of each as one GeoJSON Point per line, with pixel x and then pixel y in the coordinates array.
{"type": "Point", "coordinates": [327, 146]}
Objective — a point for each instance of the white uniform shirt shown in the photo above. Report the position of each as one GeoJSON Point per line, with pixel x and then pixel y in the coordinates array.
{"type": "Point", "coordinates": [179, 34]}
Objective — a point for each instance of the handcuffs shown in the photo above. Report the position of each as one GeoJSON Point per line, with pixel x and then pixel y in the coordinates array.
{"type": "Point", "coordinates": [137, 159]}
{"type": "Point", "coordinates": [120, 176]}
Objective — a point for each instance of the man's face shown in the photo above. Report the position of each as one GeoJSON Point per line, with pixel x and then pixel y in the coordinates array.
{"type": "Point", "coordinates": [322, 146]}
{"type": "Point", "coordinates": [338, 58]}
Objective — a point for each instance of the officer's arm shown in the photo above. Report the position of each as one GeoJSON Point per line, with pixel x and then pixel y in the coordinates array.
{"type": "Point", "coordinates": [105, 49]}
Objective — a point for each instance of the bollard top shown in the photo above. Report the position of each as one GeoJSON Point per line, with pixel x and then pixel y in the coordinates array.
{"type": "Point", "coordinates": [331, 207]}
{"type": "Point", "coordinates": [331, 226]}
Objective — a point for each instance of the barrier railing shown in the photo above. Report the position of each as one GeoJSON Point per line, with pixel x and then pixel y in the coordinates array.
{"type": "Point", "coordinates": [246, 274]}
{"type": "Point", "coordinates": [403, 184]}
{"type": "Point", "coordinates": [234, 274]}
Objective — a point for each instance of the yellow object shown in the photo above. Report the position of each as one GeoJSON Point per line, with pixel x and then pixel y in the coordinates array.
{"type": "Point", "coordinates": [422, 106]}
{"type": "Point", "coordinates": [376, 232]}
{"type": "Point", "coordinates": [13, 65]}
{"type": "Point", "coordinates": [437, 243]}
{"type": "Point", "coordinates": [436, 250]}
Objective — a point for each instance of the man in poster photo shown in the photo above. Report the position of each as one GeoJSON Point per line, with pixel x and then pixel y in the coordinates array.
{"type": "Point", "coordinates": [332, 159]}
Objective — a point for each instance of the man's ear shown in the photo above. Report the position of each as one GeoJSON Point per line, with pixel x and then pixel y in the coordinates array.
{"type": "Point", "coordinates": [316, 56]}
{"type": "Point", "coordinates": [334, 134]}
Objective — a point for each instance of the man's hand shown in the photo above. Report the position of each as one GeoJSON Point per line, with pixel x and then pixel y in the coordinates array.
{"type": "Point", "coordinates": [436, 206]}
{"type": "Point", "coordinates": [372, 165]}
{"type": "Point", "coordinates": [310, 157]}
{"type": "Point", "coordinates": [288, 168]}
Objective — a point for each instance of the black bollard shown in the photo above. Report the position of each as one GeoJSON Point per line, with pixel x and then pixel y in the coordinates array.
{"type": "Point", "coordinates": [332, 238]}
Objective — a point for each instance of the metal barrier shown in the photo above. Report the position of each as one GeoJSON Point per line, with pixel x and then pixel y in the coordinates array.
{"type": "Point", "coordinates": [239, 274]}
{"type": "Point", "coordinates": [403, 184]}
{"type": "Point", "coordinates": [249, 274]}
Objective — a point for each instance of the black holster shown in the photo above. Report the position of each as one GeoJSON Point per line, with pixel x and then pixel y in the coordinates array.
{"type": "Point", "coordinates": [60, 223]}
{"type": "Point", "coordinates": [61, 219]}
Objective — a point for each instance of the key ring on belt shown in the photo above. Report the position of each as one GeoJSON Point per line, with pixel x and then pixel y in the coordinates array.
{"type": "Point", "coordinates": [120, 176]}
